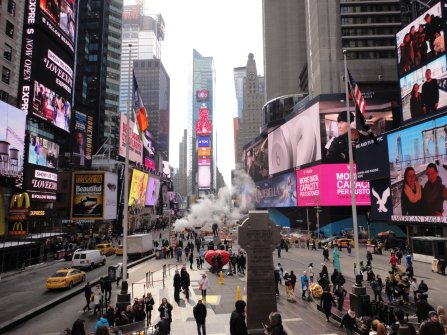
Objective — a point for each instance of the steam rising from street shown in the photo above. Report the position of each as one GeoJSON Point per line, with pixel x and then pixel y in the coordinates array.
{"type": "Point", "coordinates": [228, 205]}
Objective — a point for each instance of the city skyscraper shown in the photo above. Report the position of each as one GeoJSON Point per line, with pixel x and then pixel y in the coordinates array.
{"type": "Point", "coordinates": [239, 75]}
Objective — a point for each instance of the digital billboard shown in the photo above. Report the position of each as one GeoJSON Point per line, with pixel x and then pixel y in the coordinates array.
{"type": "Point", "coordinates": [372, 159]}
{"type": "Point", "coordinates": [421, 40]}
{"type": "Point", "coordinates": [138, 186]}
{"type": "Point", "coordinates": [164, 194]}
{"type": "Point", "coordinates": [135, 144]}
{"type": "Point", "coordinates": [202, 95]}
{"type": "Point", "coordinates": [41, 183]}
{"type": "Point", "coordinates": [296, 142]}
{"type": "Point", "coordinates": [88, 195]}
{"type": "Point", "coordinates": [329, 185]}
{"type": "Point", "coordinates": [110, 196]}
{"type": "Point", "coordinates": [204, 151]}
{"type": "Point", "coordinates": [204, 177]}
{"type": "Point", "coordinates": [152, 192]}
{"type": "Point", "coordinates": [418, 171]}
{"type": "Point", "coordinates": [46, 79]}
{"type": "Point", "coordinates": [203, 124]}
{"type": "Point", "coordinates": [82, 139]}
{"type": "Point", "coordinates": [42, 152]}
{"type": "Point", "coordinates": [256, 160]}
{"type": "Point", "coordinates": [203, 141]}
{"type": "Point", "coordinates": [204, 161]}
{"type": "Point", "coordinates": [163, 131]}
{"type": "Point", "coordinates": [149, 150]}
{"type": "Point", "coordinates": [12, 130]}
{"type": "Point", "coordinates": [278, 191]}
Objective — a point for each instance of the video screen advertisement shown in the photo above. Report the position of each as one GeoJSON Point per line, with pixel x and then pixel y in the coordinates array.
{"type": "Point", "coordinates": [418, 172]}
{"type": "Point", "coordinates": [42, 152]}
{"type": "Point", "coordinates": [422, 64]}
{"type": "Point", "coordinates": [138, 187]}
{"type": "Point", "coordinates": [372, 159]}
{"type": "Point", "coordinates": [94, 196]}
{"type": "Point", "coordinates": [152, 192]}
{"type": "Point", "coordinates": [329, 185]}
{"type": "Point", "coordinates": [41, 183]}
{"type": "Point", "coordinates": [12, 130]}
{"type": "Point", "coordinates": [202, 95]}
{"type": "Point", "coordinates": [56, 17]}
{"type": "Point", "coordinates": [149, 151]}
{"type": "Point", "coordinates": [203, 142]}
{"type": "Point", "coordinates": [256, 160]}
{"type": "Point", "coordinates": [46, 79]}
{"type": "Point", "coordinates": [278, 191]}
{"type": "Point", "coordinates": [82, 139]}
{"type": "Point", "coordinates": [203, 124]}
{"type": "Point", "coordinates": [296, 142]}
{"type": "Point", "coordinates": [135, 144]}
{"type": "Point", "coordinates": [204, 177]}
{"type": "Point", "coordinates": [204, 161]}
{"type": "Point", "coordinates": [334, 126]}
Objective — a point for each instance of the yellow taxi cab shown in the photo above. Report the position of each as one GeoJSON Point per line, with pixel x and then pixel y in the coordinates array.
{"type": "Point", "coordinates": [344, 242]}
{"type": "Point", "coordinates": [105, 248]}
{"type": "Point", "coordinates": [119, 250]}
{"type": "Point", "coordinates": [64, 278]}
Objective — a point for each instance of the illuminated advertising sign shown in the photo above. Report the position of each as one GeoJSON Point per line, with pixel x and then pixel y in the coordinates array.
{"type": "Point", "coordinates": [204, 161]}
{"type": "Point", "coordinates": [149, 150]}
{"type": "Point", "coordinates": [256, 160]}
{"type": "Point", "coordinates": [153, 190]}
{"type": "Point", "coordinates": [57, 18]}
{"type": "Point", "coordinates": [18, 214]}
{"type": "Point", "coordinates": [110, 196]}
{"type": "Point", "coordinates": [204, 152]}
{"type": "Point", "coordinates": [203, 141]}
{"type": "Point", "coordinates": [12, 131]}
{"type": "Point", "coordinates": [279, 191]}
{"type": "Point", "coordinates": [42, 152]}
{"type": "Point", "coordinates": [204, 177]}
{"type": "Point", "coordinates": [329, 185]}
{"type": "Point", "coordinates": [202, 95]}
{"type": "Point", "coordinates": [422, 64]}
{"type": "Point", "coordinates": [88, 195]}
{"type": "Point", "coordinates": [203, 124]}
{"type": "Point", "coordinates": [138, 186]}
{"type": "Point", "coordinates": [41, 183]}
{"type": "Point", "coordinates": [372, 159]}
{"type": "Point", "coordinates": [417, 157]}
{"type": "Point", "coordinates": [163, 131]}
{"type": "Point", "coordinates": [83, 139]}
{"type": "Point", "coordinates": [46, 79]}
{"type": "Point", "coordinates": [135, 144]}
{"type": "Point", "coordinates": [131, 14]}
{"type": "Point", "coordinates": [296, 142]}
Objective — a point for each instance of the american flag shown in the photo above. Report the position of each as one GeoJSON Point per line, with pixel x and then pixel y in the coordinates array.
{"type": "Point", "coordinates": [357, 95]}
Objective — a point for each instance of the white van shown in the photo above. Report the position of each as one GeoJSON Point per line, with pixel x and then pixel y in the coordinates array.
{"type": "Point", "coordinates": [87, 259]}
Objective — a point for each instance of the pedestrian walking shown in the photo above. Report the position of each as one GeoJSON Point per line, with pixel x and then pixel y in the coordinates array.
{"type": "Point", "coordinates": [191, 260]}
{"type": "Point", "coordinates": [107, 289]}
{"type": "Point", "coordinates": [278, 250]}
{"type": "Point", "coordinates": [304, 284]}
{"type": "Point", "coordinates": [275, 326]}
{"type": "Point", "coordinates": [376, 286]}
{"type": "Point", "coordinates": [326, 302]}
{"type": "Point", "coordinates": [165, 310]}
{"type": "Point", "coordinates": [340, 294]}
{"type": "Point", "coordinates": [203, 285]}
{"type": "Point", "coordinates": [349, 323]}
{"type": "Point", "coordinates": [401, 326]}
{"type": "Point", "coordinates": [237, 319]}
{"type": "Point", "coordinates": [149, 304]}
{"type": "Point", "coordinates": [325, 253]}
{"type": "Point", "coordinates": [431, 326]}
{"type": "Point", "coordinates": [348, 248]}
{"type": "Point", "coordinates": [199, 312]}
{"type": "Point", "coordinates": [78, 328]}
{"type": "Point", "coordinates": [389, 289]}
{"type": "Point", "coordinates": [310, 272]}
{"type": "Point", "coordinates": [97, 298]}
{"type": "Point", "coordinates": [292, 280]}
{"type": "Point", "coordinates": [88, 296]}
{"type": "Point", "coordinates": [102, 321]}
{"type": "Point", "coordinates": [177, 286]}
{"type": "Point", "coordinates": [184, 275]}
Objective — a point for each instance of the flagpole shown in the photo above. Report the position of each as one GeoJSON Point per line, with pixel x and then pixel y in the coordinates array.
{"type": "Point", "coordinates": [351, 175]}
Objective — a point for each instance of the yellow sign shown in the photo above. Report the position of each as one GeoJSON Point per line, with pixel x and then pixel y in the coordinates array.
{"type": "Point", "coordinates": [37, 213]}
{"type": "Point", "coordinates": [137, 194]}
{"type": "Point", "coordinates": [18, 213]}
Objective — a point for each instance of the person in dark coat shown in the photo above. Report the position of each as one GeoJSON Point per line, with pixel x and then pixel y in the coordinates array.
{"type": "Point", "coordinates": [237, 319]}
{"type": "Point", "coordinates": [292, 280]}
{"type": "Point", "coordinates": [177, 286]}
{"type": "Point", "coordinates": [275, 327]}
{"type": "Point", "coordinates": [78, 328]}
{"type": "Point", "coordinates": [184, 275]}
{"type": "Point", "coordinates": [326, 302]}
{"type": "Point", "coordinates": [149, 304]}
{"type": "Point", "coordinates": [87, 295]}
{"type": "Point", "coordinates": [349, 322]}
{"type": "Point", "coordinates": [423, 308]}
{"type": "Point", "coordinates": [107, 284]}
{"type": "Point", "coordinates": [432, 326]}
{"type": "Point", "coordinates": [340, 294]}
{"type": "Point", "coordinates": [163, 327]}
{"type": "Point", "coordinates": [165, 310]}
{"type": "Point", "coordinates": [110, 314]}
{"type": "Point", "coordinates": [140, 314]}
{"type": "Point", "coordinates": [199, 312]}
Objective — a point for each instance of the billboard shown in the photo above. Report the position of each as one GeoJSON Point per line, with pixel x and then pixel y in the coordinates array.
{"type": "Point", "coordinates": [12, 130]}
{"type": "Point", "coordinates": [42, 152]}
{"type": "Point", "coordinates": [329, 185]}
{"type": "Point", "coordinates": [296, 142]}
{"type": "Point", "coordinates": [110, 196]}
{"type": "Point", "coordinates": [204, 177]}
{"type": "Point", "coordinates": [418, 171]}
{"type": "Point", "coordinates": [82, 139]}
{"type": "Point", "coordinates": [88, 189]}
{"type": "Point", "coordinates": [256, 160]}
{"type": "Point", "coordinates": [152, 192]}
{"type": "Point", "coordinates": [278, 191]}
{"type": "Point", "coordinates": [204, 151]}
{"type": "Point", "coordinates": [203, 141]}
{"type": "Point", "coordinates": [203, 124]}
{"type": "Point", "coordinates": [138, 186]}
{"type": "Point", "coordinates": [421, 40]}
{"type": "Point", "coordinates": [372, 159]}
{"type": "Point", "coordinates": [204, 161]}
{"type": "Point", "coordinates": [163, 131]}
{"type": "Point", "coordinates": [149, 150]}
{"type": "Point", "coordinates": [135, 144]}
{"type": "Point", "coordinates": [46, 79]}
{"type": "Point", "coordinates": [41, 183]}
{"type": "Point", "coordinates": [202, 95]}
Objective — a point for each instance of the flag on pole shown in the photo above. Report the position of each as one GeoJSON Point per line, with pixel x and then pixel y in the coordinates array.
{"type": "Point", "coordinates": [138, 108]}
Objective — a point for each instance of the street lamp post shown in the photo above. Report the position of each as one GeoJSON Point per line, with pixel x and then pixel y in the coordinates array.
{"type": "Point", "coordinates": [123, 299]}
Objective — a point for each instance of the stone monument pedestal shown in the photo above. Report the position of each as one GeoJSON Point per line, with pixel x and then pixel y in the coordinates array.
{"type": "Point", "coordinates": [359, 300]}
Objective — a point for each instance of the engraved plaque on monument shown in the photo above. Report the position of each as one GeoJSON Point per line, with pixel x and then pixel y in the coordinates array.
{"type": "Point", "coordinates": [259, 237]}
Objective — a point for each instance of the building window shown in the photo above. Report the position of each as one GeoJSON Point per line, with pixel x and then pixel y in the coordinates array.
{"type": "Point", "coordinates": [9, 29]}
{"type": "Point", "coordinates": [4, 96]}
{"type": "Point", "coordinates": [6, 75]}
{"type": "Point", "coordinates": [7, 52]}
{"type": "Point", "coordinates": [12, 7]}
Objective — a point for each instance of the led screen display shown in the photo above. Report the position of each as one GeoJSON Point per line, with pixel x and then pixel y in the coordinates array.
{"type": "Point", "coordinates": [204, 177]}
{"type": "Point", "coordinates": [203, 141]}
{"type": "Point", "coordinates": [152, 192]}
{"type": "Point", "coordinates": [135, 144]}
{"type": "Point", "coordinates": [138, 186]}
{"type": "Point", "coordinates": [88, 195]}
{"type": "Point", "coordinates": [202, 95]}
{"type": "Point", "coordinates": [204, 151]}
{"type": "Point", "coordinates": [82, 139]}
{"type": "Point", "coordinates": [256, 160]}
{"type": "Point", "coordinates": [41, 183]}
{"type": "Point", "coordinates": [42, 152]}
{"type": "Point", "coordinates": [278, 191]}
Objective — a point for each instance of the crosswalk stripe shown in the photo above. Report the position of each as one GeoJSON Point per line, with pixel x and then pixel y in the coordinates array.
{"type": "Point", "coordinates": [292, 319]}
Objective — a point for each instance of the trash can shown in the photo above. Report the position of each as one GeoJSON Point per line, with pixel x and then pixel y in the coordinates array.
{"type": "Point", "coordinates": [435, 265]}
{"type": "Point", "coordinates": [112, 272]}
